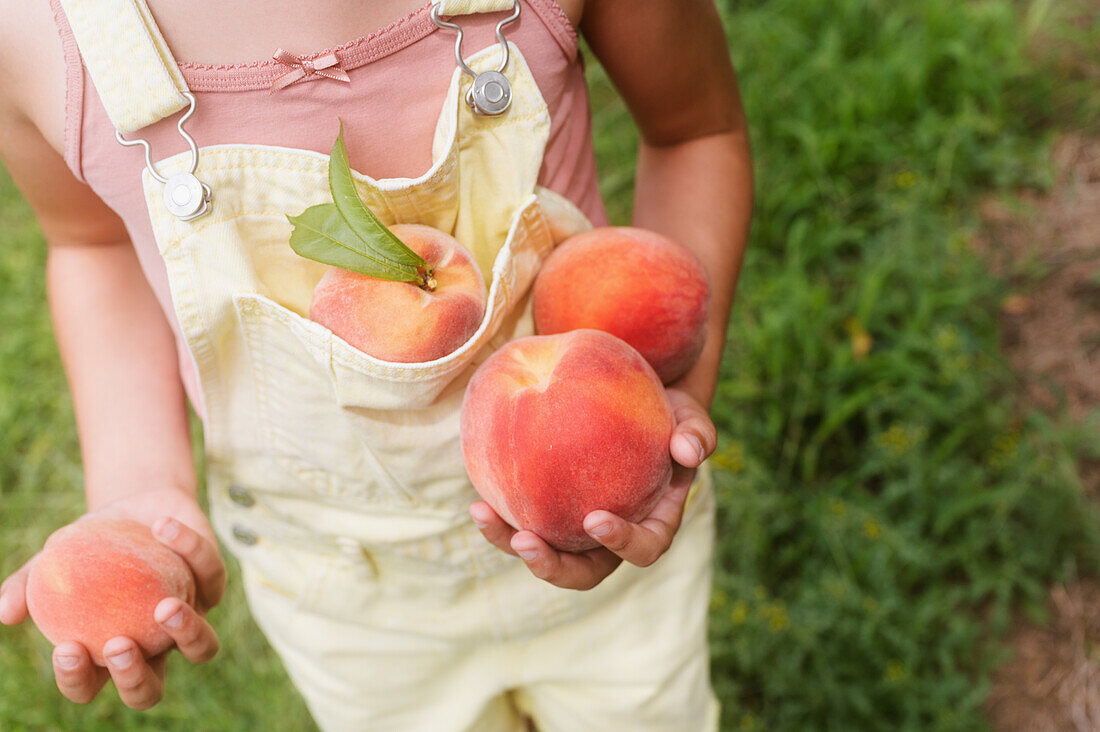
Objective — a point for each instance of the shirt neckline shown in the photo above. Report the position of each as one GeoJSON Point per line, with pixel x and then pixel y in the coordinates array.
{"type": "Point", "coordinates": [256, 75]}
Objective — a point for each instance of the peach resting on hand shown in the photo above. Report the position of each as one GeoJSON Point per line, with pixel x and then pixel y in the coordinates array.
{"type": "Point", "coordinates": [554, 427]}
{"type": "Point", "coordinates": [97, 579]}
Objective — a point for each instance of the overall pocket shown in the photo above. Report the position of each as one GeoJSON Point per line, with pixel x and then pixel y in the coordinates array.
{"type": "Point", "coordinates": [351, 425]}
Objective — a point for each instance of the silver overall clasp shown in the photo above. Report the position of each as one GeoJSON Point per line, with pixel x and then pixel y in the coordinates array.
{"type": "Point", "coordinates": [490, 94]}
{"type": "Point", "coordinates": [185, 196]}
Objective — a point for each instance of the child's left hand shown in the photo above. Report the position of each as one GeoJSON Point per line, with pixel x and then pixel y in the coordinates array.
{"type": "Point", "coordinates": [693, 439]}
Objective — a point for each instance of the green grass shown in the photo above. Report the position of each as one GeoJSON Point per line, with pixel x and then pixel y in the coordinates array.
{"type": "Point", "coordinates": [885, 503]}
{"type": "Point", "coordinates": [882, 513]}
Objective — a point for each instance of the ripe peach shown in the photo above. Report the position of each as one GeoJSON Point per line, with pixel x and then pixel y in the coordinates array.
{"type": "Point", "coordinates": [400, 321]}
{"type": "Point", "coordinates": [554, 427]}
{"type": "Point", "coordinates": [96, 579]}
{"type": "Point", "coordinates": [635, 284]}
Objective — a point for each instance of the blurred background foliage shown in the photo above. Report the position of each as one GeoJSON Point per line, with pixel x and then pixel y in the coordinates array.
{"type": "Point", "coordinates": [885, 501]}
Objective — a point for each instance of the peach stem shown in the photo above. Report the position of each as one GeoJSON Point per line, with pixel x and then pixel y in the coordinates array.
{"type": "Point", "coordinates": [427, 282]}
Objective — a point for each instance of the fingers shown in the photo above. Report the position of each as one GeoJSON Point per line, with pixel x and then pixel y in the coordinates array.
{"type": "Point", "coordinates": [642, 543]}
{"type": "Point", "coordinates": [570, 571]}
{"type": "Point", "coordinates": [78, 679]}
{"type": "Point", "coordinates": [200, 554]}
{"type": "Point", "coordinates": [492, 526]}
{"type": "Point", "coordinates": [580, 571]}
{"type": "Point", "coordinates": [194, 637]}
{"type": "Point", "coordinates": [13, 596]}
{"type": "Point", "coordinates": [140, 683]}
{"type": "Point", "coordinates": [694, 437]}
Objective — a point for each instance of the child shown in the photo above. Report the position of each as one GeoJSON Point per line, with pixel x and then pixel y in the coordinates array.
{"type": "Point", "coordinates": [336, 481]}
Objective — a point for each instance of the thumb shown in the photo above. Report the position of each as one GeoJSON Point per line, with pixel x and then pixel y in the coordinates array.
{"type": "Point", "coordinates": [694, 437]}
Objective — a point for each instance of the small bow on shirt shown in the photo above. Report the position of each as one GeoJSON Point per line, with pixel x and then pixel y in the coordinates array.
{"type": "Point", "coordinates": [305, 69]}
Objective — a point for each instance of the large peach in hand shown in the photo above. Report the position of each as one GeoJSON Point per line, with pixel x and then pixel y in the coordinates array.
{"type": "Point", "coordinates": [638, 285]}
{"type": "Point", "coordinates": [403, 321]}
{"type": "Point", "coordinates": [554, 427]}
{"type": "Point", "coordinates": [96, 579]}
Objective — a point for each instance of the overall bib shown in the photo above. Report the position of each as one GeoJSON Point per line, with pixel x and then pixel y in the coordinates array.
{"type": "Point", "coordinates": [336, 479]}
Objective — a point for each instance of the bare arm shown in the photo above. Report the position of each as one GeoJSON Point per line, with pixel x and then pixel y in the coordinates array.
{"type": "Point", "coordinates": [118, 352]}
{"type": "Point", "coordinates": [116, 346]}
{"type": "Point", "coordinates": [668, 58]}
{"type": "Point", "coordinates": [120, 358]}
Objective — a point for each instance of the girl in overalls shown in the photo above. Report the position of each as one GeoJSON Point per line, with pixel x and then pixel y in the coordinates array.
{"type": "Point", "coordinates": [396, 599]}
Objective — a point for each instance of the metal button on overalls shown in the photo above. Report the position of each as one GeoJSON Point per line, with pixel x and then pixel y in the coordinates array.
{"type": "Point", "coordinates": [241, 496]}
{"type": "Point", "coordinates": [245, 535]}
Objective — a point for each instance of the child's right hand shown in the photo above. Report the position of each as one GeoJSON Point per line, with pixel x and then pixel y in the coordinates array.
{"type": "Point", "coordinates": [178, 522]}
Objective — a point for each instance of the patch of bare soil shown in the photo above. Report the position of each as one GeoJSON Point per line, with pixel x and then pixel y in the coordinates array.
{"type": "Point", "coordinates": [1048, 248]}
{"type": "Point", "coordinates": [1052, 682]}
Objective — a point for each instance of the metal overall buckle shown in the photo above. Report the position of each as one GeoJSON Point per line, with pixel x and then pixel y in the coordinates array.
{"type": "Point", "coordinates": [185, 196]}
{"type": "Point", "coordinates": [490, 94]}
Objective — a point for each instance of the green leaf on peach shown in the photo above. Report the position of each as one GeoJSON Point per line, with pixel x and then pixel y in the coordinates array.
{"type": "Point", "coordinates": [322, 234]}
{"type": "Point", "coordinates": [359, 218]}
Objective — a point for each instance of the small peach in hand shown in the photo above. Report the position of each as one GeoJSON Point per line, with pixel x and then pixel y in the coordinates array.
{"type": "Point", "coordinates": [555, 427]}
{"type": "Point", "coordinates": [97, 579]}
{"type": "Point", "coordinates": [405, 321]}
{"type": "Point", "coordinates": [635, 284]}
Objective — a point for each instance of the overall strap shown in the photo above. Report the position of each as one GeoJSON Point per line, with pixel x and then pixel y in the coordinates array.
{"type": "Point", "coordinates": [469, 7]}
{"type": "Point", "coordinates": [129, 62]}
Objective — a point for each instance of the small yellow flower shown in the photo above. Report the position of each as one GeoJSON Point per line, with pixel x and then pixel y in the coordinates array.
{"type": "Point", "coordinates": [905, 179]}
{"type": "Point", "coordinates": [1004, 449]}
{"type": "Point", "coordinates": [718, 599]}
{"type": "Point", "coordinates": [861, 345]}
{"type": "Point", "coordinates": [731, 458]}
{"type": "Point", "coordinates": [740, 612]}
{"type": "Point", "coordinates": [947, 338]}
{"type": "Point", "coordinates": [859, 340]}
{"type": "Point", "coordinates": [895, 671]}
{"type": "Point", "coordinates": [900, 439]}
{"type": "Point", "coordinates": [894, 440]}
{"type": "Point", "coordinates": [748, 722]}
{"type": "Point", "coordinates": [871, 528]}
{"type": "Point", "coordinates": [955, 366]}
{"type": "Point", "coordinates": [838, 507]}
{"type": "Point", "coordinates": [960, 363]}
{"type": "Point", "coordinates": [775, 613]}
{"type": "Point", "coordinates": [1006, 442]}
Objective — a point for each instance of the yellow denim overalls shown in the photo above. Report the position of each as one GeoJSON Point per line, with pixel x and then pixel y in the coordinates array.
{"type": "Point", "coordinates": [337, 479]}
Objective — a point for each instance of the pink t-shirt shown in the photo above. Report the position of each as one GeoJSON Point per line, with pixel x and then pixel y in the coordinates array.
{"type": "Point", "coordinates": [398, 78]}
